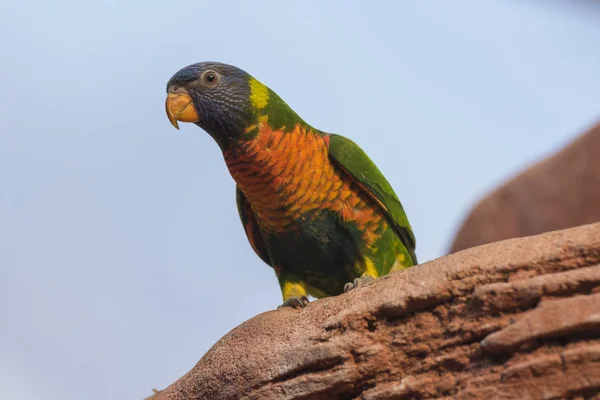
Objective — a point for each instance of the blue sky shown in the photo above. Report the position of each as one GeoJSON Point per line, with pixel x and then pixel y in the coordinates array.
{"type": "Point", "coordinates": [122, 258]}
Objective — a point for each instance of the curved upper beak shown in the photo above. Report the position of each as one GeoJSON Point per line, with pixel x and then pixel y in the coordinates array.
{"type": "Point", "coordinates": [180, 107]}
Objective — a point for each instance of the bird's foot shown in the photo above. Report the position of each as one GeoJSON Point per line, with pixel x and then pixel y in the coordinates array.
{"type": "Point", "coordinates": [362, 281]}
{"type": "Point", "coordinates": [295, 302]}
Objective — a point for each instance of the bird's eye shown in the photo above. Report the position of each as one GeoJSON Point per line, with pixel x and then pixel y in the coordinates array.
{"type": "Point", "coordinates": [210, 78]}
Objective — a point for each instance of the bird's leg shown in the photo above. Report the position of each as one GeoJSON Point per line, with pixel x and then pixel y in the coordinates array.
{"type": "Point", "coordinates": [293, 291]}
{"type": "Point", "coordinates": [362, 281]}
{"type": "Point", "coordinates": [295, 302]}
{"type": "Point", "coordinates": [368, 275]}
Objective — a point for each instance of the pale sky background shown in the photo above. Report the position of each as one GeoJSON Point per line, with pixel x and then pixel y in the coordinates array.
{"type": "Point", "coordinates": [122, 258]}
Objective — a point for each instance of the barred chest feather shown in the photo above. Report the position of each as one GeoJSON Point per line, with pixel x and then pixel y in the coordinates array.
{"type": "Point", "coordinates": [287, 174]}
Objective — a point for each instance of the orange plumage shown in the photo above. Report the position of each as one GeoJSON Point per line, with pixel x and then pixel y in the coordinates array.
{"type": "Point", "coordinates": [284, 175]}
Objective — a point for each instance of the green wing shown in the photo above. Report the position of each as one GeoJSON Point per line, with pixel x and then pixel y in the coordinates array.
{"type": "Point", "coordinates": [251, 227]}
{"type": "Point", "coordinates": [354, 161]}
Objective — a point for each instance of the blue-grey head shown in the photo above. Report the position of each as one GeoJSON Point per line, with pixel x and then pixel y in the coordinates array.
{"type": "Point", "coordinates": [214, 96]}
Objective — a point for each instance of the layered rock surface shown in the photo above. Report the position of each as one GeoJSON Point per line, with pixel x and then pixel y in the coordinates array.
{"type": "Point", "coordinates": [518, 319]}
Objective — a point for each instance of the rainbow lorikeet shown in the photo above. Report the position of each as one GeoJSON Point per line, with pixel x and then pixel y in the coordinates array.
{"type": "Point", "coordinates": [313, 204]}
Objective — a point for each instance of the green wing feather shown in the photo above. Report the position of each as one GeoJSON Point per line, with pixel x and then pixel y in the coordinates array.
{"type": "Point", "coordinates": [355, 162]}
{"type": "Point", "coordinates": [251, 227]}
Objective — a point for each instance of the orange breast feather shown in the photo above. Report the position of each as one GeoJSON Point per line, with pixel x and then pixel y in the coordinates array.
{"type": "Point", "coordinates": [287, 174]}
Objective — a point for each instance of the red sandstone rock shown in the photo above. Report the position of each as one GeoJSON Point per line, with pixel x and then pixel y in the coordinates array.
{"type": "Point", "coordinates": [560, 192]}
{"type": "Point", "coordinates": [519, 319]}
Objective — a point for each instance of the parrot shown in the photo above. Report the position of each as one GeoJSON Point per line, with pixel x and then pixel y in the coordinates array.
{"type": "Point", "coordinates": [313, 205]}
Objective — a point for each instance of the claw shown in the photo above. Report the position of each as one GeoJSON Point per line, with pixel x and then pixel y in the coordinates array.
{"type": "Point", "coordinates": [295, 302]}
{"type": "Point", "coordinates": [362, 281]}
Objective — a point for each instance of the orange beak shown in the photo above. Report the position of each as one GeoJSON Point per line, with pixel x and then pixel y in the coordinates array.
{"type": "Point", "coordinates": [180, 107]}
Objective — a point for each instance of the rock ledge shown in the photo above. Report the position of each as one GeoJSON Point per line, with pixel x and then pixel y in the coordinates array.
{"type": "Point", "coordinates": [518, 319]}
